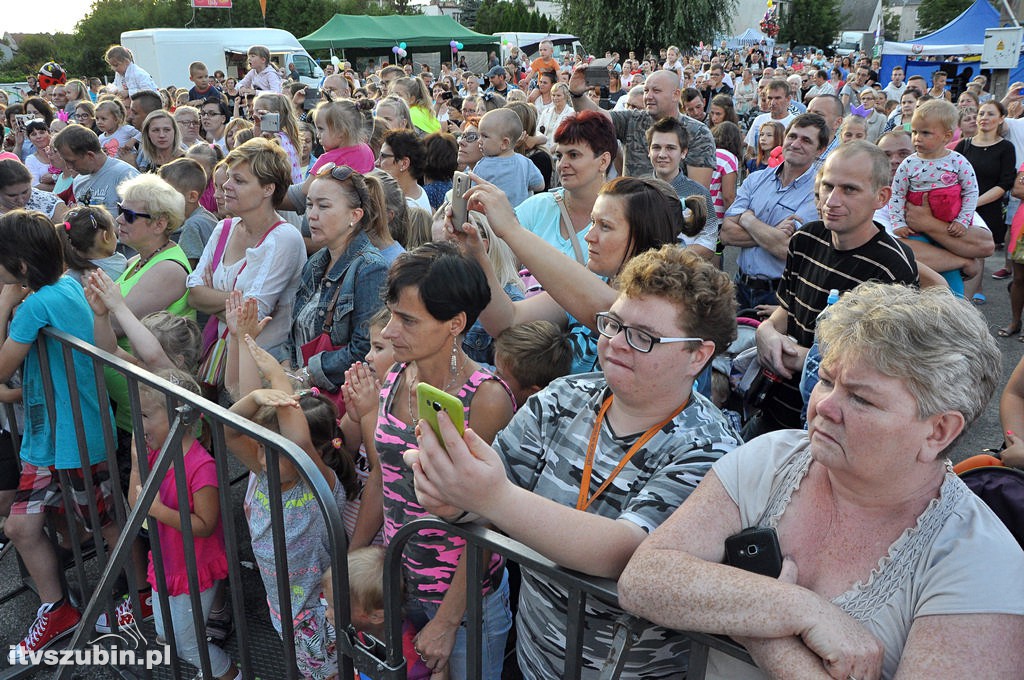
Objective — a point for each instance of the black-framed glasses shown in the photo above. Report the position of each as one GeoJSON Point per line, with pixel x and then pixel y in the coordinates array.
{"type": "Point", "coordinates": [342, 173]}
{"type": "Point", "coordinates": [130, 215]}
{"type": "Point", "coordinates": [640, 340]}
{"type": "Point", "coordinates": [470, 137]}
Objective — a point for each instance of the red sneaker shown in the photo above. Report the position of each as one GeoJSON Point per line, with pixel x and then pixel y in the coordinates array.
{"type": "Point", "coordinates": [1001, 274]}
{"type": "Point", "coordinates": [50, 624]}
{"type": "Point", "coordinates": [125, 614]}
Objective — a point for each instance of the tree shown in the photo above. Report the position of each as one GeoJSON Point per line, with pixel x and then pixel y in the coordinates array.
{"type": "Point", "coordinates": [469, 12]}
{"type": "Point", "coordinates": [645, 24]}
{"type": "Point", "coordinates": [892, 21]}
{"type": "Point", "coordinates": [510, 16]}
{"type": "Point", "coordinates": [934, 14]}
{"type": "Point", "coordinates": [810, 22]}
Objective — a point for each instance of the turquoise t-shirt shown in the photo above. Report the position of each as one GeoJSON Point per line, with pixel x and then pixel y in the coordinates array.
{"type": "Point", "coordinates": [541, 215]}
{"type": "Point", "coordinates": [61, 305]}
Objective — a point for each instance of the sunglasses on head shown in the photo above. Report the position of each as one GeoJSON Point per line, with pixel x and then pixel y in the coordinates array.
{"type": "Point", "coordinates": [130, 215]}
{"type": "Point", "coordinates": [342, 173]}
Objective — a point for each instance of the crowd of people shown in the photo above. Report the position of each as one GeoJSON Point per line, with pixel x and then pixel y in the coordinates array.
{"type": "Point", "coordinates": [292, 252]}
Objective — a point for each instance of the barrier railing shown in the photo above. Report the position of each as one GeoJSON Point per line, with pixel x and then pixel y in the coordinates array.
{"type": "Point", "coordinates": [377, 659]}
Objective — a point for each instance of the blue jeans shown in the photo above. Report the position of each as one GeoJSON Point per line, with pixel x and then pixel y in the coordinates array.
{"type": "Point", "coordinates": [748, 298]}
{"type": "Point", "coordinates": [497, 620]}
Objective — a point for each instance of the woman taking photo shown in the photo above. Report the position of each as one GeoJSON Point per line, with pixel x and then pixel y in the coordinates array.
{"type": "Point", "coordinates": [888, 555]}
{"type": "Point", "coordinates": [255, 252]}
{"type": "Point", "coordinates": [339, 290]}
{"type": "Point", "coordinates": [630, 215]}
{"type": "Point", "coordinates": [287, 133]}
{"type": "Point", "coordinates": [161, 141]}
{"type": "Point", "coordinates": [434, 295]}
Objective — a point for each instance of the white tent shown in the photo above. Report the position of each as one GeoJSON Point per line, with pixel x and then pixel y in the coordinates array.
{"type": "Point", "coordinates": [750, 38]}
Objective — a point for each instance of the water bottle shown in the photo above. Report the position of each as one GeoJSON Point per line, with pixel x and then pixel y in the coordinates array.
{"type": "Point", "coordinates": [809, 375]}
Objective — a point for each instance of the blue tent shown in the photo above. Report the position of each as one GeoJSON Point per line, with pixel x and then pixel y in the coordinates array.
{"type": "Point", "coordinates": [963, 37]}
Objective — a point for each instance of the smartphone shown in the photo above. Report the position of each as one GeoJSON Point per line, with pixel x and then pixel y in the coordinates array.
{"type": "Point", "coordinates": [270, 122]}
{"type": "Point", "coordinates": [432, 401]}
{"type": "Point", "coordinates": [24, 119]}
{"type": "Point", "coordinates": [596, 72]}
{"type": "Point", "coordinates": [460, 211]}
{"type": "Point", "coordinates": [755, 549]}
{"type": "Point", "coordinates": [312, 99]}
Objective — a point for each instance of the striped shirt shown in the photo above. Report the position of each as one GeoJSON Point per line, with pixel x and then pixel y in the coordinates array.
{"type": "Point", "coordinates": [725, 162]}
{"type": "Point", "coordinates": [813, 267]}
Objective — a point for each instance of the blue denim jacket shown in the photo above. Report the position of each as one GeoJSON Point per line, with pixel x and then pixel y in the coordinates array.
{"type": "Point", "coordinates": [358, 301]}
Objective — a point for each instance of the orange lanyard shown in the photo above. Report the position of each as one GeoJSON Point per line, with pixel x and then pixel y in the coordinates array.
{"type": "Point", "coordinates": [583, 503]}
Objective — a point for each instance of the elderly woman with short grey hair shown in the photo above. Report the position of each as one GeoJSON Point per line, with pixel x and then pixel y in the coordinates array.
{"type": "Point", "coordinates": [893, 568]}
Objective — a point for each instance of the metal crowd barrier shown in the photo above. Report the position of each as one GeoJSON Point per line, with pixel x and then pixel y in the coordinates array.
{"type": "Point", "coordinates": [381, 660]}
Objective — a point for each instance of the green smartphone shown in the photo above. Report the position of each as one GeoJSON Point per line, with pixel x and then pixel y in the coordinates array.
{"type": "Point", "coordinates": [432, 401]}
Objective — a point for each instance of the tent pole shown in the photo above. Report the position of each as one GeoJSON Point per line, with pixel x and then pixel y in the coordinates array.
{"type": "Point", "coordinates": [1009, 13]}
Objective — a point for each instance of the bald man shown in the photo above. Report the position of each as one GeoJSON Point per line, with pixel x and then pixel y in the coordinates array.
{"type": "Point", "coordinates": [661, 100]}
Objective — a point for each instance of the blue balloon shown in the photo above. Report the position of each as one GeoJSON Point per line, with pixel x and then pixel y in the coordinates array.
{"type": "Point", "coordinates": [402, 45]}
{"type": "Point", "coordinates": [395, 49]}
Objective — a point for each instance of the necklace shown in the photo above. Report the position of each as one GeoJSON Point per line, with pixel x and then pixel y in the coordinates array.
{"type": "Point", "coordinates": [456, 368]}
{"type": "Point", "coordinates": [143, 261]}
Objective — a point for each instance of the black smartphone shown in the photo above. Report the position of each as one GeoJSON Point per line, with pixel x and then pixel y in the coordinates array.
{"type": "Point", "coordinates": [597, 73]}
{"type": "Point", "coordinates": [755, 549]}
{"type": "Point", "coordinates": [312, 99]}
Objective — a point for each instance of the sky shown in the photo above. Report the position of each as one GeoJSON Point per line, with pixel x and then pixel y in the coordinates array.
{"type": "Point", "coordinates": [60, 16]}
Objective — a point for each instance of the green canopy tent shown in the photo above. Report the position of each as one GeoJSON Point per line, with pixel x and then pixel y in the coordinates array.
{"type": "Point", "coordinates": [376, 35]}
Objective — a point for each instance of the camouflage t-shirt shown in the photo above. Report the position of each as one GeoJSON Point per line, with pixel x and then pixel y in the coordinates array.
{"type": "Point", "coordinates": [544, 448]}
{"type": "Point", "coordinates": [631, 130]}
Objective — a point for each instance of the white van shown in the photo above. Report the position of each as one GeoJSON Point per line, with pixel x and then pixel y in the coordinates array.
{"type": "Point", "coordinates": [166, 52]}
{"type": "Point", "coordinates": [848, 42]}
{"type": "Point", "coordinates": [530, 42]}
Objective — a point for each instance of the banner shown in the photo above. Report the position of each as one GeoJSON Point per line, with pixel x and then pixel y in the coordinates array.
{"type": "Point", "coordinates": [215, 4]}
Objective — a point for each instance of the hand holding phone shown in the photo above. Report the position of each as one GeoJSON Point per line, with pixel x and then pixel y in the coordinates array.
{"type": "Point", "coordinates": [270, 122]}
{"type": "Point", "coordinates": [755, 549]}
{"type": "Point", "coordinates": [432, 401]}
{"type": "Point", "coordinates": [460, 211]}
{"type": "Point", "coordinates": [596, 73]}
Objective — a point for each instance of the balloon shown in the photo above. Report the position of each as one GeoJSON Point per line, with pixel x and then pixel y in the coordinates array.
{"type": "Point", "coordinates": [402, 45]}
{"type": "Point", "coordinates": [459, 46]}
{"type": "Point", "coordinates": [396, 49]}
{"type": "Point", "coordinates": [402, 52]}
{"type": "Point", "coordinates": [335, 60]}
{"type": "Point", "coordinates": [453, 44]}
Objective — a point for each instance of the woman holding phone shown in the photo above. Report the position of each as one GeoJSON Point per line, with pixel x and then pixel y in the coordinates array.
{"type": "Point", "coordinates": [434, 294]}
{"type": "Point", "coordinates": [672, 314]}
